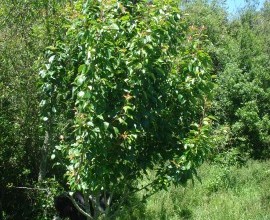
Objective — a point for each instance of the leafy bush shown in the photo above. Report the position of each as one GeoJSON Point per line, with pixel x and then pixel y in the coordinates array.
{"type": "Point", "coordinates": [133, 85]}
{"type": "Point", "coordinates": [240, 54]}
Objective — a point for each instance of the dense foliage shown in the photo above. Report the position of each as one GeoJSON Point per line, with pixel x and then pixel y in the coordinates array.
{"type": "Point", "coordinates": [123, 97]}
{"type": "Point", "coordinates": [240, 54]}
{"type": "Point", "coordinates": [135, 84]}
{"type": "Point", "coordinates": [243, 92]}
{"type": "Point", "coordinates": [27, 27]}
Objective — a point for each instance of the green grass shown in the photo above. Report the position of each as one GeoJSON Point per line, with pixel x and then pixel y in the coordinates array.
{"type": "Point", "coordinates": [225, 193]}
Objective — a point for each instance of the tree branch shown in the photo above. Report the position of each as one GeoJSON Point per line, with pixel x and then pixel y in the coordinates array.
{"type": "Point", "coordinates": [78, 207]}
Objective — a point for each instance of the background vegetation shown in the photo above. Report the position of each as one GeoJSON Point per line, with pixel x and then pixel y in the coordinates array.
{"type": "Point", "coordinates": [40, 40]}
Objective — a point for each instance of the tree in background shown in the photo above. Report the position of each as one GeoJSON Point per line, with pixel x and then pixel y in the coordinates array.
{"type": "Point", "coordinates": [241, 98]}
{"type": "Point", "coordinates": [240, 54]}
{"type": "Point", "coordinates": [132, 85]}
{"type": "Point", "coordinates": [27, 27]}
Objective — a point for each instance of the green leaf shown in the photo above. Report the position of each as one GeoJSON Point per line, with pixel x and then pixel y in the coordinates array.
{"type": "Point", "coordinates": [114, 26]}
{"type": "Point", "coordinates": [100, 117]}
{"type": "Point", "coordinates": [80, 79]}
{"type": "Point", "coordinates": [58, 147]}
{"type": "Point", "coordinates": [116, 131]}
{"type": "Point", "coordinates": [106, 125]}
{"type": "Point", "coordinates": [126, 108]}
{"type": "Point", "coordinates": [82, 68]}
{"type": "Point", "coordinates": [81, 94]}
{"type": "Point", "coordinates": [51, 59]}
{"type": "Point", "coordinates": [122, 121]}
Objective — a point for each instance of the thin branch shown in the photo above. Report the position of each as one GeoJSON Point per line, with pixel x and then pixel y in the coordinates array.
{"type": "Point", "coordinates": [78, 207]}
{"type": "Point", "coordinates": [28, 188]}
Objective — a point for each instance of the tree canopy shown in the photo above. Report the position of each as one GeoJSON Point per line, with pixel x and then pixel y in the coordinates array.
{"type": "Point", "coordinates": [134, 84]}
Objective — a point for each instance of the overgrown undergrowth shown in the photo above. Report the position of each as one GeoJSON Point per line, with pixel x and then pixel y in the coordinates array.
{"type": "Point", "coordinates": [225, 193]}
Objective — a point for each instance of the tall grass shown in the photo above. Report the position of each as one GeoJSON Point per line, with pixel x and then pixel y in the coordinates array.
{"type": "Point", "coordinates": [225, 193]}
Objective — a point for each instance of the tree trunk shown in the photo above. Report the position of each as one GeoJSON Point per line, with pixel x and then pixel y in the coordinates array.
{"type": "Point", "coordinates": [44, 157]}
